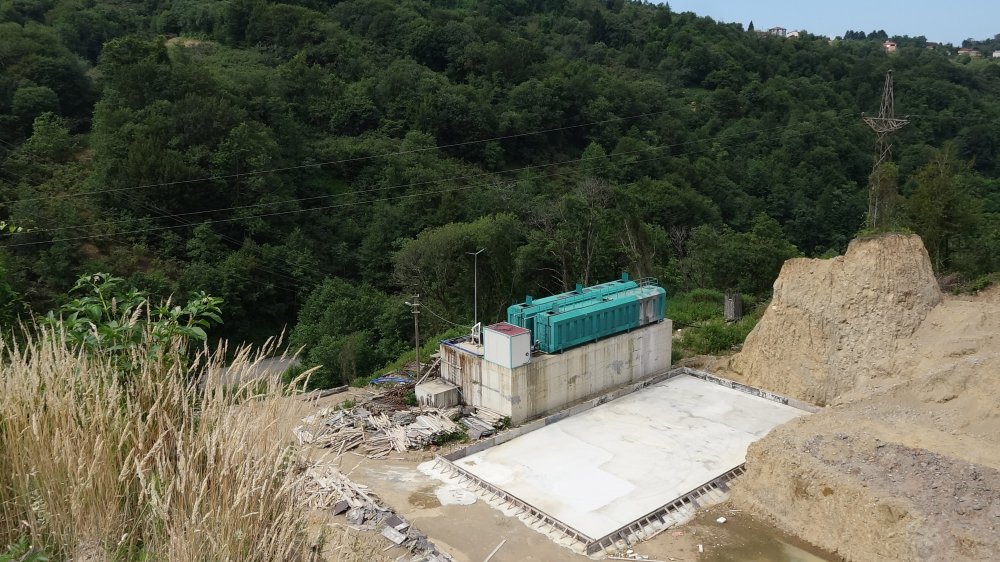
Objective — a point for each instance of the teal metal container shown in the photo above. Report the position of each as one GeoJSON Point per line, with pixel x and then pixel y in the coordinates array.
{"type": "Point", "coordinates": [588, 314]}
{"type": "Point", "coordinates": [558, 330]}
{"type": "Point", "coordinates": [524, 314]}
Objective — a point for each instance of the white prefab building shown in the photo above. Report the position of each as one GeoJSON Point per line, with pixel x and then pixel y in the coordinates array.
{"type": "Point", "coordinates": [507, 345]}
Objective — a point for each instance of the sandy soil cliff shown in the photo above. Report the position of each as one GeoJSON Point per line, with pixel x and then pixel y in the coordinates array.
{"type": "Point", "coordinates": [905, 462]}
{"type": "Point", "coordinates": [833, 323]}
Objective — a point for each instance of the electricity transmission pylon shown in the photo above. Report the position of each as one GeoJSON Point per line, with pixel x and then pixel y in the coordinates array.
{"type": "Point", "coordinates": [883, 124]}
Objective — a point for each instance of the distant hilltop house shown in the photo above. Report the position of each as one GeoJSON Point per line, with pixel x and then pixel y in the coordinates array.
{"type": "Point", "coordinates": [793, 34]}
{"type": "Point", "coordinates": [966, 51]}
{"type": "Point", "coordinates": [996, 54]}
{"type": "Point", "coordinates": [889, 46]}
{"type": "Point", "coordinates": [779, 31]}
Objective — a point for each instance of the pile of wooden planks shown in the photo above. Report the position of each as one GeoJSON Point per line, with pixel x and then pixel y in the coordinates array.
{"type": "Point", "coordinates": [378, 435]}
{"type": "Point", "coordinates": [490, 417]}
{"type": "Point", "coordinates": [477, 428]}
{"type": "Point", "coordinates": [326, 487]}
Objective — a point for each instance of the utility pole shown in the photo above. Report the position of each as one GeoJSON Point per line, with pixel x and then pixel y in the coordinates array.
{"type": "Point", "coordinates": [415, 305]}
{"type": "Point", "coordinates": [883, 124]}
{"type": "Point", "coordinates": [475, 286]}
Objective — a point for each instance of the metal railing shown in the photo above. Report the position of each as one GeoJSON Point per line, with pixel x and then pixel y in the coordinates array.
{"type": "Point", "coordinates": [659, 515]}
{"type": "Point", "coordinates": [591, 545]}
{"type": "Point", "coordinates": [513, 501]}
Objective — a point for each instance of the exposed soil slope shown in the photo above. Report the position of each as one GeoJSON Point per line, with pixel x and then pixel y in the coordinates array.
{"type": "Point", "coordinates": [906, 463]}
{"type": "Point", "coordinates": [833, 322]}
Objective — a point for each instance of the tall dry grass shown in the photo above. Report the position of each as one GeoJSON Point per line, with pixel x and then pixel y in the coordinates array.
{"type": "Point", "coordinates": [151, 464]}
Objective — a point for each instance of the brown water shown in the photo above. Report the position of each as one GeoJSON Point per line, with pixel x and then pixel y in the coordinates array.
{"type": "Point", "coordinates": [742, 539]}
{"type": "Point", "coordinates": [769, 549]}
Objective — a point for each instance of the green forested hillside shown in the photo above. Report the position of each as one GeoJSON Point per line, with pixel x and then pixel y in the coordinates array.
{"type": "Point", "coordinates": [329, 158]}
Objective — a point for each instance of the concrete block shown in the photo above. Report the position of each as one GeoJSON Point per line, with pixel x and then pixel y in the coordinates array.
{"type": "Point", "coordinates": [437, 393]}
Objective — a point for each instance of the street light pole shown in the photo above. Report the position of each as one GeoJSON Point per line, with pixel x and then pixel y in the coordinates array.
{"type": "Point", "coordinates": [415, 305]}
{"type": "Point", "coordinates": [475, 287]}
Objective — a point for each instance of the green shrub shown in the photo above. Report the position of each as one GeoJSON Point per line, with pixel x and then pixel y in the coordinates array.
{"type": "Point", "coordinates": [880, 231]}
{"type": "Point", "coordinates": [675, 353]}
{"type": "Point", "coordinates": [21, 551]}
{"type": "Point", "coordinates": [716, 336]}
{"type": "Point", "coordinates": [460, 435]}
{"type": "Point", "coordinates": [699, 305]}
{"type": "Point", "coordinates": [428, 348]}
{"type": "Point", "coordinates": [980, 283]}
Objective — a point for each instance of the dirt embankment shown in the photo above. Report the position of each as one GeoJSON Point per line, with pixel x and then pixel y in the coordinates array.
{"type": "Point", "coordinates": [833, 323]}
{"type": "Point", "coordinates": [905, 464]}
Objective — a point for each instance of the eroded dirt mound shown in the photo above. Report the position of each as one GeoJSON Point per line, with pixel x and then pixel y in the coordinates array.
{"type": "Point", "coordinates": [832, 323]}
{"type": "Point", "coordinates": [868, 499]}
{"type": "Point", "coordinates": [905, 465]}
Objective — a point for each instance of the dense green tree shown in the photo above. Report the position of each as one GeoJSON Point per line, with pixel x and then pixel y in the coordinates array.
{"type": "Point", "coordinates": [942, 211]}
{"type": "Point", "coordinates": [438, 266]}
{"type": "Point", "coordinates": [742, 261]}
{"type": "Point", "coordinates": [254, 148]}
{"type": "Point", "coordinates": [351, 330]}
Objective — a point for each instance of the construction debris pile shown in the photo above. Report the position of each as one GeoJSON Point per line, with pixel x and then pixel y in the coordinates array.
{"type": "Point", "coordinates": [630, 554]}
{"type": "Point", "coordinates": [377, 434]}
{"type": "Point", "coordinates": [326, 488]}
{"type": "Point", "coordinates": [384, 423]}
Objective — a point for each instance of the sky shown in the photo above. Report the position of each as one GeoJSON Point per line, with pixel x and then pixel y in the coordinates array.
{"type": "Point", "coordinates": [943, 22]}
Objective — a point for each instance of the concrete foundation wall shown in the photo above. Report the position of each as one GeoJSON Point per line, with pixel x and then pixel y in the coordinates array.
{"type": "Point", "coordinates": [551, 382]}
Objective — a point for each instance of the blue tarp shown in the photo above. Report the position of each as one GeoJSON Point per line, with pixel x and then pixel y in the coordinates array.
{"type": "Point", "coordinates": [393, 379]}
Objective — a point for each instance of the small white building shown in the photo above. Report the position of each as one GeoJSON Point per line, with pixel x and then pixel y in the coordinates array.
{"type": "Point", "coordinates": [507, 345]}
{"type": "Point", "coordinates": [996, 54]}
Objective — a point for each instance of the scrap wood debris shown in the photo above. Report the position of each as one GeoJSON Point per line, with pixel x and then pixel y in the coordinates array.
{"type": "Point", "coordinates": [377, 435]}
{"type": "Point", "coordinates": [384, 424]}
{"type": "Point", "coordinates": [325, 487]}
{"type": "Point", "coordinates": [631, 555]}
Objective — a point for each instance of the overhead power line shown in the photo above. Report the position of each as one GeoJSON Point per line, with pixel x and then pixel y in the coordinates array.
{"type": "Point", "coordinates": [445, 320]}
{"type": "Point", "coordinates": [342, 160]}
{"type": "Point", "coordinates": [427, 182]}
{"type": "Point", "coordinates": [231, 219]}
{"type": "Point", "coordinates": [328, 207]}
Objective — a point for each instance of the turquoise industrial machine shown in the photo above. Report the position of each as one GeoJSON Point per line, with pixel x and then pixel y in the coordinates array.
{"type": "Point", "coordinates": [588, 314]}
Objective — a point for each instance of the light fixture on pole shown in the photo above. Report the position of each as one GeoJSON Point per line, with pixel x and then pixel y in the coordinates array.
{"type": "Point", "coordinates": [475, 287]}
{"type": "Point", "coordinates": [415, 305]}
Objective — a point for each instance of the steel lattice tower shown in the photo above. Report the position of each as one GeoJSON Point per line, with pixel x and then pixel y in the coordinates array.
{"type": "Point", "coordinates": [883, 124]}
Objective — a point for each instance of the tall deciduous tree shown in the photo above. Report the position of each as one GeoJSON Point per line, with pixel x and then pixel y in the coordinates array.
{"type": "Point", "coordinates": [941, 208]}
{"type": "Point", "coordinates": [350, 330]}
{"type": "Point", "coordinates": [437, 266]}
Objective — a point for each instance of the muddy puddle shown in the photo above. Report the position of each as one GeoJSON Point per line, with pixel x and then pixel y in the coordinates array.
{"type": "Point", "coordinates": [769, 549]}
{"type": "Point", "coordinates": [425, 498]}
{"type": "Point", "coordinates": [742, 539]}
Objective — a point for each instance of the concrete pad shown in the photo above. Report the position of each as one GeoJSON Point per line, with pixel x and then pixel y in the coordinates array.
{"type": "Point", "coordinates": [604, 468]}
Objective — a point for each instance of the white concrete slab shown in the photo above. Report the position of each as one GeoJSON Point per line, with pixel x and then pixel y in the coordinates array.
{"type": "Point", "coordinates": [604, 468]}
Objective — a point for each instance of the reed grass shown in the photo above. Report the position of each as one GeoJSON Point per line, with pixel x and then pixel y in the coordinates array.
{"type": "Point", "coordinates": [163, 462]}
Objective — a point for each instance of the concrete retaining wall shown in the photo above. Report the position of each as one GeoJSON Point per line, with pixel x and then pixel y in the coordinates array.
{"type": "Point", "coordinates": [552, 381]}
